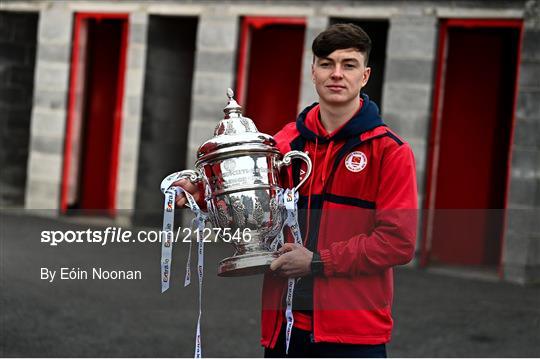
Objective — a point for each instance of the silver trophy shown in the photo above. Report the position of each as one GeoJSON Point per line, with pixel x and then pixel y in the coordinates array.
{"type": "Point", "coordinates": [240, 168]}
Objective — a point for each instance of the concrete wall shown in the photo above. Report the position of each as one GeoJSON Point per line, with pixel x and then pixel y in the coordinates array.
{"type": "Point", "coordinates": [49, 111]}
{"type": "Point", "coordinates": [131, 113]}
{"type": "Point", "coordinates": [215, 58]}
{"type": "Point", "coordinates": [18, 35]}
{"type": "Point", "coordinates": [521, 257]}
{"type": "Point", "coordinates": [408, 83]}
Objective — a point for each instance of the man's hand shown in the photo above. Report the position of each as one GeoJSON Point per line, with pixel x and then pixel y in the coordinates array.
{"type": "Point", "coordinates": [294, 261]}
{"type": "Point", "coordinates": [194, 190]}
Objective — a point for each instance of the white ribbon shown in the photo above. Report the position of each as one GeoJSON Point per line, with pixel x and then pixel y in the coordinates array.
{"type": "Point", "coordinates": [200, 268]}
{"type": "Point", "coordinates": [167, 242]}
{"type": "Point", "coordinates": [166, 247]}
{"type": "Point", "coordinates": [291, 204]}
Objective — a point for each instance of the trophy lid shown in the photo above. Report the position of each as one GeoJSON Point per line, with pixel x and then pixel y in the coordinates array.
{"type": "Point", "coordinates": [235, 130]}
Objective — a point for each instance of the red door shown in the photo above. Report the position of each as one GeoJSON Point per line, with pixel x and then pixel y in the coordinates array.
{"type": "Point", "coordinates": [470, 141]}
{"type": "Point", "coordinates": [95, 112]}
{"type": "Point", "coordinates": [270, 69]}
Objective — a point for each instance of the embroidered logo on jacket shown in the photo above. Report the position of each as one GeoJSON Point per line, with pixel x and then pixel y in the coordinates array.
{"type": "Point", "coordinates": [356, 161]}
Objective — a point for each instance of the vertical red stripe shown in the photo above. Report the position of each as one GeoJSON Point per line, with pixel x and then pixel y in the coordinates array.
{"type": "Point", "coordinates": [435, 124]}
{"type": "Point", "coordinates": [118, 118]}
{"type": "Point", "coordinates": [242, 59]}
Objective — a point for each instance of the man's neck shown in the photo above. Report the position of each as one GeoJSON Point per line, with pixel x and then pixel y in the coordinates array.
{"type": "Point", "coordinates": [333, 117]}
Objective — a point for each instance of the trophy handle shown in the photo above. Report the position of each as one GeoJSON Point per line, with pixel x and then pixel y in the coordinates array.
{"type": "Point", "coordinates": [287, 160]}
{"type": "Point", "coordinates": [191, 175]}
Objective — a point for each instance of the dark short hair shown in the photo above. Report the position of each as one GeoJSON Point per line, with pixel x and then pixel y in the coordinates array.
{"type": "Point", "coordinates": [339, 37]}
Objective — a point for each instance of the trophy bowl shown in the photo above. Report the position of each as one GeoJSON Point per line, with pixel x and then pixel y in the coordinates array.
{"type": "Point", "coordinates": [240, 169]}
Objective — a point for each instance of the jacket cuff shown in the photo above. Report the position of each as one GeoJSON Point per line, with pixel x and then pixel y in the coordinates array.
{"type": "Point", "coordinates": [326, 258]}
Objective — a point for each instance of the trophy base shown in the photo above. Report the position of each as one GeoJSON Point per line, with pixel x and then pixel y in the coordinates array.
{"type": "Point", "coordinates": [246, 264]}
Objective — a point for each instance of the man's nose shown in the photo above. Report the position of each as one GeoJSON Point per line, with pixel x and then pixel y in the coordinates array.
{"type": "Point", "coordinates": [337, 73]}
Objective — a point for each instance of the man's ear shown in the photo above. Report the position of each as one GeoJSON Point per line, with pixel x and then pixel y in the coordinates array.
{"type": "Point", "coordinates": [313, 71]}
{"type": "Point", "coordinates": [365, 77]}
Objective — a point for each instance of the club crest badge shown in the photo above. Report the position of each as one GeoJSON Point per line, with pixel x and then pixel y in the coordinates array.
{"type": "Point", "coordinates": [356, 161]}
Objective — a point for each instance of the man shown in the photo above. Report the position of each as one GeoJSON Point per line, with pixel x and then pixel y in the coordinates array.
{"type": "Point", "coordinates": [357, 214]}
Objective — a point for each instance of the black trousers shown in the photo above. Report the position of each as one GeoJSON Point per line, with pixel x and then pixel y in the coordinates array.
{"type": "Point", "coordinates": [301, 346]}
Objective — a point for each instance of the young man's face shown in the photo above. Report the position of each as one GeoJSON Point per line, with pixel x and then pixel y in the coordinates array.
{"type": "Point", "coordinates": [340, 76]}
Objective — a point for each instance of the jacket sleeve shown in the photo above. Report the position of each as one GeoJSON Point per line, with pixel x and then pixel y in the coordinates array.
{"type": "Point", "coordinates": [392, 242]}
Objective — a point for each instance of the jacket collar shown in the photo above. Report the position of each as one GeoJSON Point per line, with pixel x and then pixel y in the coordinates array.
{"type": "Point", "coordinates": [366, 119]}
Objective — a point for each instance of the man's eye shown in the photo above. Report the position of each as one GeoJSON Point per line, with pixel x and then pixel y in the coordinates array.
{"type": "Point", "coordinates": [350, 66]}
{"type": "Point", "coordinates": [324, 64]}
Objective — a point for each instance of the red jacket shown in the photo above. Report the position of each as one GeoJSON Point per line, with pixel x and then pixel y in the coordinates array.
{"type": "Point", "coordinates": [362, 200]}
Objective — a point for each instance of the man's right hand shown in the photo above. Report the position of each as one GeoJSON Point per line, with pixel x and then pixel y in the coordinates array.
{"type": "Point", "coordinates": [195, 190]}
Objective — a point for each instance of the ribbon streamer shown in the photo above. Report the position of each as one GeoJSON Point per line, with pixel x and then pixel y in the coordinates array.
{"type": "Point", "coordinates": [166, 247]}
{"type": "Point", "coordinates": [291, 204]}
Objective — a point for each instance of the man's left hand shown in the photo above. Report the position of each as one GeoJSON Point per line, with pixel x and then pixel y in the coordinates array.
{"type": "Point", "coordinates": [294, 261]}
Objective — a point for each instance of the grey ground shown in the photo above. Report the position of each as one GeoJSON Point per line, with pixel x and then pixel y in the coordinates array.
{"type": "Point", "coordinates": [435, 315]}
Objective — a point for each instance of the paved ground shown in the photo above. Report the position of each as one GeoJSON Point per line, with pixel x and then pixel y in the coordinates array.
{"type": "Point", "coordinates": [436, 315]}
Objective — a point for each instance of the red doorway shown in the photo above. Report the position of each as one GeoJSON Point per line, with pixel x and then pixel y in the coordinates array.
{"type": "Point", "coordinates": [470, 141]}
{"type": "Point", "coordinates": [94, 112]}
{"type": "Point", "coordinates": [270, 70]}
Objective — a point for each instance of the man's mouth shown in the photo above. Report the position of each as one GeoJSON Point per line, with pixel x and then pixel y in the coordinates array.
{"type": "Point", "coordinates": [335, 87]}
